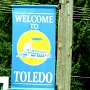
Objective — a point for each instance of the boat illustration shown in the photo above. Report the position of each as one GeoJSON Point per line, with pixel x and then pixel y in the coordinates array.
{"type": "Point", "coordinates": [29, 52]}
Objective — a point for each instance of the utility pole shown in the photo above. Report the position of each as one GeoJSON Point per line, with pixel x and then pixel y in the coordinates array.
{"type": "Point", "coordinates": [64, 48]}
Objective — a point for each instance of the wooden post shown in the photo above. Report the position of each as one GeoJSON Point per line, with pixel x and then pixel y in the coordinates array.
{"type": "Point", "coordinates": [64, 48]}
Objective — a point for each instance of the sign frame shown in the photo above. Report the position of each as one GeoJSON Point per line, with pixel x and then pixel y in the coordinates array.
{"type": "Point", "coordinates": [22, 23]}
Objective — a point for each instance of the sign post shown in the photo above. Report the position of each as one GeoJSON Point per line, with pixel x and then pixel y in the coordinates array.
{"type": "Point", "coordinates": [64, 47]}
{"type": "Point", "coordinates": [33, 47]}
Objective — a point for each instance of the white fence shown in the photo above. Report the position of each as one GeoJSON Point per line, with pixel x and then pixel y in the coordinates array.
{"type": "Point", "coordinates": [4, 81]}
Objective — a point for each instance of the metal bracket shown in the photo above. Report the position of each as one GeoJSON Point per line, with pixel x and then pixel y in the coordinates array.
{"type": "Point", "coordinates": [59, 6]}
{"type": "Point", "coordinates": [55, 87]}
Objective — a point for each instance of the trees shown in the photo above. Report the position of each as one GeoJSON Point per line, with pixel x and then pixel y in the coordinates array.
{"type": "Point", "coordinates": [81, 52]}
{"type": "Point", "coordinates": [5, 43]}
{"type": "Point", "coordinates": [81, 49]}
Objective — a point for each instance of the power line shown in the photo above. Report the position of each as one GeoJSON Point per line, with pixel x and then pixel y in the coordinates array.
{"type": "Point", "coordinates": [81, 7]}
{"type": "Point", "coordinates": [76, 11]}
{"type": "Point", "coordinates": [80, 14]}
{"type": "Point", "coordinates": [3, 69]}
{"type": "Point", "coordinates": [80, 77]}
{"type": "Point", "coordinates": [81, 19]}
{"type": "Point", "coordinates": [19, 2]}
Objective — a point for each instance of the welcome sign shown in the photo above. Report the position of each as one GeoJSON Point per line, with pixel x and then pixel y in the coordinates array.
{"type": "Point", "coordinates": [33, 47]}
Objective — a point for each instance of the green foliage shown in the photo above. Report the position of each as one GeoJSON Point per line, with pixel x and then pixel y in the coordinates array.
{"type": "Point", "coordinates": [5, 43]}
{"type": "Point", "coordinates": [81, 47]}
{"type": "Point", "coordinates": [81, 52]}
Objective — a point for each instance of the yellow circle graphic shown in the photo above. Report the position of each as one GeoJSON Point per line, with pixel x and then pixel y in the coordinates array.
{"type": "Point", "coordinates": [33, 47]}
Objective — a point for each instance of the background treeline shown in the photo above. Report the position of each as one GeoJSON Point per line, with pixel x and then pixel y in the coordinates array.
{"type": "Point", "coordinates": [81, 40]}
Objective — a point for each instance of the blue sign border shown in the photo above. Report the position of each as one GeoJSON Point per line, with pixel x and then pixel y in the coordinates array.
{"type": "Point", "coordinates": [29, 6]}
